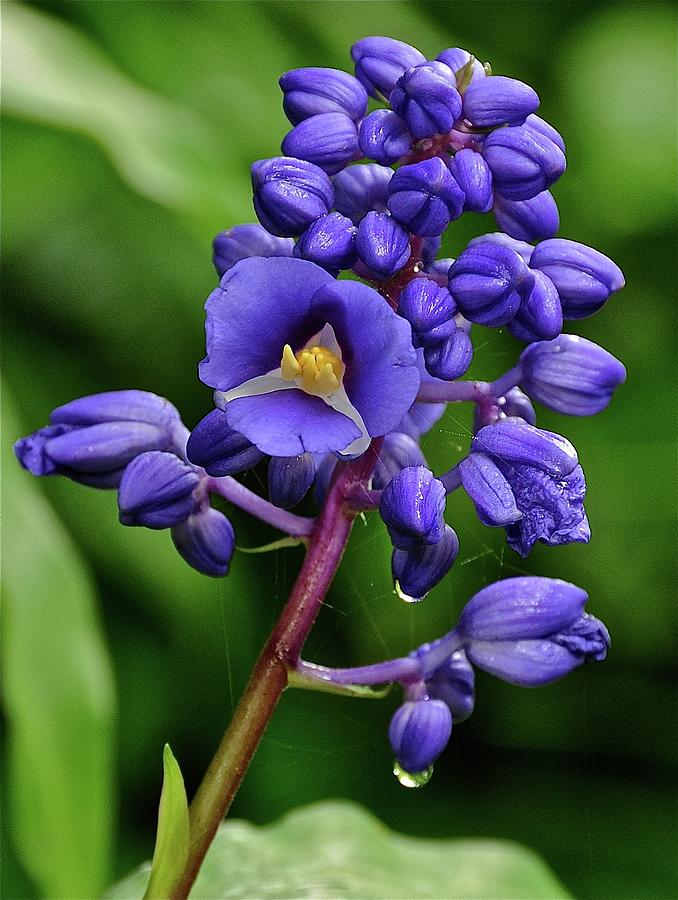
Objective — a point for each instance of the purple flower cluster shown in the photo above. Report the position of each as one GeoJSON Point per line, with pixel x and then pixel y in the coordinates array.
{"type": "Point", "coordinates": [335, 328]}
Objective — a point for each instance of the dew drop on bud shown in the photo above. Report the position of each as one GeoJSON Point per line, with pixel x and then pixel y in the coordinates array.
{"type": "Point", "coordinates": [406, 597]}
{"type": "Point", "coordinates": [412, 779]}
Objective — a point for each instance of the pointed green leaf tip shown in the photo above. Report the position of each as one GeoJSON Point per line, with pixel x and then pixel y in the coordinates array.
{"type": "Point", "coordinates": [337, 849]}
{"type": "Point", "coordinates": [171, 840]}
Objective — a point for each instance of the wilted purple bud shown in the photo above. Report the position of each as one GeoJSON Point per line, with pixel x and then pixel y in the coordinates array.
{"type": "Point", "coordinates": [503, 240]}
{"type": "Point", "coordinates": [398, 451]}
{"type": "Point", "coordinates": [474, 177]}
{"type": "Point", "coordinates": [359, 189]}
{"type": "Point", "coordinates": [380, 61]}
{"type": "Point", "coordinates": [457, 59]}
{"type": "Point", "coordinates": [514, 441]}
{"type": "Point", "coordinates": [426, 99]}
{"type": "Point", "coordinates": [491, 493]}
{"type": "Point", "coordinates": [218, 449]}
{"type": "Point", "coordinates": [540, 316]}
{"type": "Point", "coordinates": [412, 506]}
{"type": "Point", "coordinates": [156, 490]}
{"type": "Point", "coordinates": [528, 220]}
{"type": "Point", "coordinates": [383, 244]}
{"type": "Point", "coordinates": [329, 140]}
{"type": "Point", "coordinates": [418, 571]}
{"type": "Point", "coordinates": [454, 684]}
{"type": "Point", "coordinates": [289, 478]}
{"type": "Point", "coordinates": [419, 732]}
{"type": "Point", "coordinates": [383, 137]}
{"type": "Point", "coordinates": [450, 358]}
{"type": "Point", "coordinates": [289, 194]}
{"type": "Point", "coordinates": [426, 305]}
{"type": "Point", "coordinates": [330, 242]}
{"type": "Point", "coordinates": [488, 282]}
{"type": "Point", "coordinates": [498, 100]}
{"type": "Point", "coordinates": [246, 240]}
{"type": "Point", "coordinates": [531, 631]}
{"type": "Point", "coordinates": [515, 403]}
{"type": "Point", "coordinates": [552, 507]}
{"type": "Point", "coordinates": [425, 197]}
{"type": "Point", "coordinates": [92, 439]}
{"type": "Point", "coordinates": [524, 162]}
{"type": "Point", "coordinates": [313, 91]}
{"type": "Point", "coordinates": [542, 126]}
{"type": "Point", "coordinates": [571, 375]}
{"type": "Point", "coordinates": [584, 277]}
{"type": "Point", "coordinates": [206, 541]}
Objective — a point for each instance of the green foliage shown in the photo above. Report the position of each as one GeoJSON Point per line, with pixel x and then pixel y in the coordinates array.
{"type": "Point", "coordinates": [338, 849]}
{"type": "Point", "coordinates": [171, 840]}
{"type": "Point", "coordinates": [58, 697]}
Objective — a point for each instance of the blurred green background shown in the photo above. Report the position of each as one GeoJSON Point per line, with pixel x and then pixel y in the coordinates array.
{"type": "Point", "coordinates": [128, 132]}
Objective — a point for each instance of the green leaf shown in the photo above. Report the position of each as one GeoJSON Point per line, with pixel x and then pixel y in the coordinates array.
{"type": "Point", "coordinates": [54, 74]}
{"type": "Point", "coordinates": [59, 699]}
{"type": "Point", "coordinates": [171, 841]}
{"type": "Point", "coordinates": [338, 849]}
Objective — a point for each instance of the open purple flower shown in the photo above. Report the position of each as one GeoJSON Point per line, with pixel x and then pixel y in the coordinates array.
{"type": "Point", "coordinates": [303, 363]}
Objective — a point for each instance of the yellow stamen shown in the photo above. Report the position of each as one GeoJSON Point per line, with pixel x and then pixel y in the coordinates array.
{"type": "Point", "coordinates": [319, 369]}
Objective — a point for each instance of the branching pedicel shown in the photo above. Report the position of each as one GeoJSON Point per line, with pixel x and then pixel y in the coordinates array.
{"type": "Point", "coordinates": [336, 380]}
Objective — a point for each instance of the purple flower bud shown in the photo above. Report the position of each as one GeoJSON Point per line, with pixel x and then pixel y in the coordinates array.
{"type": "Point", "coordinates": [426, 304]}
{"type": "Point", "coordinates": [450, 358]}
{"type": "Point", "coordinates": [439, 268]}
{"type": "Point", "coordinates": [531, 631]}
{"type": "Point", "coordinates": [156, 490]}
{"type": "Point", "coordinates": [528, 220]}
{"type": "Point", "coordinates": [571, 375]}
{"type": "Point", "coordinates": [329, 140]}
{"type": "Point", "coordinates": [117, 406]}
{"type": "Point", "coordinates": [313, 91]}
{"type": "Point", "coordinates": [491, 493]}
{"type": "Point", "coordinates": [420, 418]}
{"type": "Point", "coordinates": [430, 247]}
{"type": "Point", "coordinates": [418, 571]}
{"type": "Point", "coordinates": [488, 282]}
{"type": "Point", "coordinates": [454, 684]}
{"type": "Point", "coordinates": [474, 177]}
{"type": "Point", "coordinates": [552, 507]}
{"type": "Point", "coordinates": [289, 478]}
{"type": "Point", "coordinates": [456, 59]}
{"type": "Point", "coordinates": [361, 188]}
{"type": "Point", "coordinates": [503, 240]}
{"type": "Point", "coordinates": [289, 194]}
{"type": "Point", "coordinates": [426, 99]}
{"type": "Point", "coordinates": [95, 452]}
{"type": "Point", "coordinates": [585, 278]}
{"type": "Point", "coordinates": [218, 449]}
{"type": "Point", "coordinates": [329, 242]}
{"type": "Point", "coordinates": [206, 541]}
{"type": "Point", "coordinates": [425, 197]}
{"type": "Point", "coordinates": [398, 451]}
{"type": "Point", "coordinates": [543, 127]}
{"type": "Point", "coordinates": [524, 162]}
{"type": "Point", "coordinates": [383, 136]}
{"type": "Point", "coordinates": [419, 732]}
{"type": "Point", "coordinates": [518, 405]}
{"type": "Point", "coordinates": [380, 61]}
{"type": "Point", "coordinates": [246, 240]}
{"type": "Point", "coordinates": [498, 100]}
{"type": "Point", "coordinates": [412, 506]}
{"type": "Point", "coordinates": [521, 609]}
{"type": "Point", "coordinates": [540, 316]}
{"type": "Point", "coordinates": [514, 441]}
{"type": "Point", "coordinates": [383, 245]}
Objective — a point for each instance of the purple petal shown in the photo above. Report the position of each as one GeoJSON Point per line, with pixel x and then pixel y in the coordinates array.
{"type": "Point", "coordinates": [491, 493]}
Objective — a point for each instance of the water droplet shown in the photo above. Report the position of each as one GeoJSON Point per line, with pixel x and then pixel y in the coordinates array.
{"type": "Point", "coordinates": [406, 597]}
{"type": "Point", "coordinates": [412, 779]}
